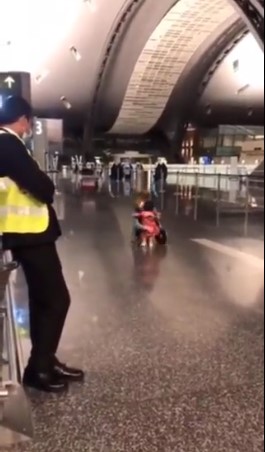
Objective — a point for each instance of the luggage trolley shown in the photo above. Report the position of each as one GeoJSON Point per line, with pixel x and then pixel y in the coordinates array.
{"type": "Point", "coordinates": [88, 179]}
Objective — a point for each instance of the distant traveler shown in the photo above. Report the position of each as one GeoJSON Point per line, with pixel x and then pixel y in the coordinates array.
{"type": "Point", "coordinates": [127, 170]}
{"type": "Point", "coordinates": [116, 173]}
{"type": "Point", "coordinates": [30, 229]}
{"type": "Point", "coordinates": [161, 172]}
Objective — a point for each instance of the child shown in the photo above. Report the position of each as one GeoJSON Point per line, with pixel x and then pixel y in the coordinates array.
{"type": "Point", "coordinates": [148, 218]}
{"type": "Point", "coordinates": [138, 208]}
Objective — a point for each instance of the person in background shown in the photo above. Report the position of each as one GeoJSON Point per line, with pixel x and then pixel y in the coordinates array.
{"type": "Point", "coordinates": [127, 170]}
{"type": "Point", "coordinates": [30, 230]}
{"type": "Point", "coordinates": [116, 172]}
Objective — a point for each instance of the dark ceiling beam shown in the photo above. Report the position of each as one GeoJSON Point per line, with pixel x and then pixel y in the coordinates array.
{"type": "Point", "coordinates": [115, 35]}
{"type": "Point", "coordinates": [252, 11]}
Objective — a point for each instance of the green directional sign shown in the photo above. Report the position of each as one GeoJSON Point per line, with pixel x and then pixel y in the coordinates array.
{"type": "Point", "coordinates": [14, 83]}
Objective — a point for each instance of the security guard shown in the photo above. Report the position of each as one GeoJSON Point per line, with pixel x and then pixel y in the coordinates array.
{"type": "Point", "coordinates": [30, 229]}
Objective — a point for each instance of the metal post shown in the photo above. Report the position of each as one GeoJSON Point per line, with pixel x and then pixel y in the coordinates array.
{"type": "Point", "coordinates": [118, 181]}
{"type": "Point", "coordinates": [246, 208]}
{"type": "Point", "coordinates": [47, 163]}
{"type": "Point", "coordinates": [162, 183]}
{"type": "Point", "coordinates": [218, 200]}
{"type": "Point", "coordinates": [153, 181]}
{"type": "Point", "coordinates": [196, 197]}
{"type": "Point", "coordinates": [177, 194]}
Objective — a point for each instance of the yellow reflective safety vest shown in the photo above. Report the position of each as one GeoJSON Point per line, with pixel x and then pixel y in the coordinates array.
{"type": "Point", "coordinates": [20, 212]}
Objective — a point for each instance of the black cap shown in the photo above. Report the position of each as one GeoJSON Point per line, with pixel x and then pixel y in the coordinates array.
{"type": "Point", "coordinates": [13, 108]}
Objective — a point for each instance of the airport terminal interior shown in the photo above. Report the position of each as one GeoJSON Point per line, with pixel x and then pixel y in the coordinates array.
{"type": "Point", "coordinates": [162, 99]}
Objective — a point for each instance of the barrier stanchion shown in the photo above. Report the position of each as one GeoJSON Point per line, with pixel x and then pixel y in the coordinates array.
{"type": "Point", "coordinates": [162, 183]}
{"type": "Point", "coordinates": [118, 181]}
{"type": "Point", "coordinates": [218, 200]}
{"type": "Point", "coordinates": [246, 221]}
{"type": "Point", "coordinates": [177, 194]}
{"type": "Point", "coordinates": [153, 182]}
{"type": "Point", "coordinates": [196, 197]}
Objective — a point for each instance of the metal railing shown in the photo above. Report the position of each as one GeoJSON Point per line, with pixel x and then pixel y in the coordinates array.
{"type": "Point", "coordinates": [15, 412]}
{"type": "Point", "coordinates": [202, 196]}
{"type": "Point", "coordinates": [219, 193]}
{"type": "Point", "coordinates": [8, 368]}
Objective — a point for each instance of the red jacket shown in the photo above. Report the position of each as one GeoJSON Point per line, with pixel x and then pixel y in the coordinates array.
{"type": "Point", "coordinates": [150, 222]}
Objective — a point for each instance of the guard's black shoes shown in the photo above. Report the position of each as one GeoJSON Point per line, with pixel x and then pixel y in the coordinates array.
{"type": "Point", "coordinates": [68, 373]}
{"type": "Point", "coordinates": [46, 382]}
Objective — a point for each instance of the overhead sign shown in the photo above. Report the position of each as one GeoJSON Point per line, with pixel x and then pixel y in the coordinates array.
{"type": "Point", "coordinates": [14, 83]}
{"type": "Point", "coordinates": [9, 82]}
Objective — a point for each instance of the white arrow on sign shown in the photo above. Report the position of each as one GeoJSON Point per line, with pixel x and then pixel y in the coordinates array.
{"type": "Point", "coordinates": [9, 81]}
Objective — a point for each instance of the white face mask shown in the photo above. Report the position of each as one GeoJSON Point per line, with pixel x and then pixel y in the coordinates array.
{"type": "Point", "coordinates": [27, 135]}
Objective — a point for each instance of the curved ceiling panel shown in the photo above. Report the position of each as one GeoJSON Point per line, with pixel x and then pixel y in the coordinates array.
{"type": "Point", "coordinates": [178, 36]}
{"type": "Point", "coordinates": [200, 69]}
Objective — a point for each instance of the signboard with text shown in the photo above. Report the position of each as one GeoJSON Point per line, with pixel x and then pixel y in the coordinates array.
{"type": "Point", "coordinates": [40, 141]}
{"type": "Point", "coordinates": [47, 139]}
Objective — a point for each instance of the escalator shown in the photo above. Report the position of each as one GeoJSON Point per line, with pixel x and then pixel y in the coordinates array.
{"type": "Point", "coordinates": [15, 411]}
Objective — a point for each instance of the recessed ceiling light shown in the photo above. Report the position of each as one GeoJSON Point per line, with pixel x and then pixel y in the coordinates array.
{"type": "Point", "coordinates": [91, 4]}
{"type": "Point", "coordinates": [66, 102]}
{"type": "Point", "coordinates": [41, 76]}
{"type": "Point", "coordinates": [77, 56]}
{"type": "Point", "coordinates": [236, 65]}
{"type": "Point", "coordinates": [243, 88]}
{"type": "Point", "coordinates": [5, 43]}
{"type": "Point", "coordinates": [209, 110]}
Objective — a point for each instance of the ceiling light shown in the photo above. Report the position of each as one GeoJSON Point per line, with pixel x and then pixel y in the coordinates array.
{"type": "Point", "coordinates": [209, 110]}
{"type": "Point", "coordinates": [5, 43]}
{"type": "Point", "coordinates": [41, 76]}
{"type": "Point", "coordinates": [247, 61]}
{"type": "Point", "coordinates": [236, 65]}
{"type": "Point", "coordinates": [77, 56]}
{"type": "Point", "coordinates": [66, 102]}
{"type": "Point", "coordinates": [243, 88]}
{"type": "Point", "coordinates": [45, 31]}
{"type": "Point", "coordinates": [91, 4]}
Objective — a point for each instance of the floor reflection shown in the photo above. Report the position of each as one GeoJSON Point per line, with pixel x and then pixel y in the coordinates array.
{"type": "Point", "coordinates": [147, 265]}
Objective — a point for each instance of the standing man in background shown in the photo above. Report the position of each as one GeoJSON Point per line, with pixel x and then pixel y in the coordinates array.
{"type": "Point", "coordinates": [30, 230]}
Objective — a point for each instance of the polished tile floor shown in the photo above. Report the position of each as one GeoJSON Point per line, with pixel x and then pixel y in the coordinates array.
{"type": "Point", "coordinates": [172, 341]}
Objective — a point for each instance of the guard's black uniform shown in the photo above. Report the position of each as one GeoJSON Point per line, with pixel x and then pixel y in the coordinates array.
{"type": "Point", "coordinates": [48, 294]}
